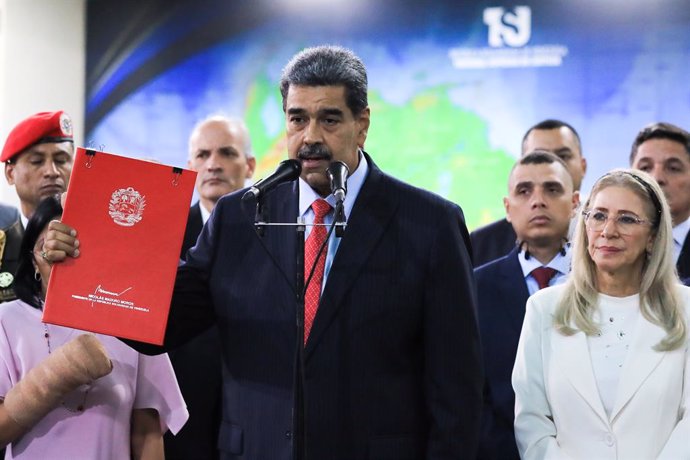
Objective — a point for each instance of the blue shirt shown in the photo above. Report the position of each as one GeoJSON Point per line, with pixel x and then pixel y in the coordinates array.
{"type": "Point", "coordinates": [307, 195]}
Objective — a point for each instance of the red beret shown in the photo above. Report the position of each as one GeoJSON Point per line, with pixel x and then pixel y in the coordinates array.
{"type": "Point", "coordinates": [38, 129]}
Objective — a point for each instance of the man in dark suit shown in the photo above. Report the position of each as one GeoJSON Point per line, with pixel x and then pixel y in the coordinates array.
{"type": "Point", "coordinates": [38, 156]}
{"type": "Point", "coordinates": [391, 360]}
{"type": "Point", "coordinates": [540, 204]}
{"type": "Point", "coordinates": [220, 152]}
{"type": "Point", "coordinates": [663, 150]}
{"type": "Point", "coordinates": [498, 238]}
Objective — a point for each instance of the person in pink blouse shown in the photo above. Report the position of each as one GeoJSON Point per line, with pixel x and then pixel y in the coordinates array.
{"type": "Point", "coordinates": [67, 394]}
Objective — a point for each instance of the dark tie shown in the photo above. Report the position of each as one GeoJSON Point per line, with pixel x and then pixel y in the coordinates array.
{"type": "Point", "coordinates": [543, 275]}
{"type": "Point", "coordinates": [311, 248]}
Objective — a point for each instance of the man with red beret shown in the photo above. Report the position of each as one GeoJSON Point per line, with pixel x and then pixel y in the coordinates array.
{"type": "Point", "coordinates": [38, 161]}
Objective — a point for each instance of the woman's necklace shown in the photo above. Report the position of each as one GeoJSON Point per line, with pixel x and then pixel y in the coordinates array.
{"type": "Point", "coordinates": [81, 402]}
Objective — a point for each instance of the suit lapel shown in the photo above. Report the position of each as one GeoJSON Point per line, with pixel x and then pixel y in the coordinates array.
{"type": "Point", "coordinates": [571, 354]}
{"type": "Point", "coordinates": [280, 241]}
{"type": "Point", "coordinates": [683, 263]}
{"type": "Point", "coordinates": [510, 273]}
{"type": "Point", "coordinates": [641, 360]}
{"type": "Point", "coordinates": [365, 227]}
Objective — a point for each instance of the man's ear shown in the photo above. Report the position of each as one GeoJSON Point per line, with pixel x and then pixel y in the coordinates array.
{"type": "Point", "coordinates": [251, 167]}
{"type": "Point", "coordinates": [576, 203]}
{"type": "Point", "coordinates": [9, 172]}
{"type": "Point", "coordinates": [506, 205]}
{"type": "Point", "coordinates": [363, 120]}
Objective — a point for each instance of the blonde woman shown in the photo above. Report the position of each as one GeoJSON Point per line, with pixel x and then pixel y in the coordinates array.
{"type": "Point", "coordinates": [603, 367]}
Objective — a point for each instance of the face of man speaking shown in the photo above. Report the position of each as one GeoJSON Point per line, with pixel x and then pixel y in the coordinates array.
{"type": "Point", "coordinates": [40, 171]}
{"type": "Point", "coordinates": [321, 128]}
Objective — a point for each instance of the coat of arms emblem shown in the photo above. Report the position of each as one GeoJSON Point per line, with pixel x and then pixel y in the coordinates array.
{"type": "Point", "coordinates": [126, 206]}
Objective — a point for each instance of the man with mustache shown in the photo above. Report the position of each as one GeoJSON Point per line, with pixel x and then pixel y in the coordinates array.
{"type": "Point", "coordinates": [38, 156]}
{"type": "Point", "coordinates": [391, 364]}
{"type": "Point", "coordinates": [220, 152]}
{"type": "Point", "coordinates": [540, 203]}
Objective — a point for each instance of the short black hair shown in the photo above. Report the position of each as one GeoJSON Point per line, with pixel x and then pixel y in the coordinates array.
{"type": "Point", "coordinates": [660, 130]}
{"type": "Point", "coordinates": [540, 157]}
{"type": "Point", "coordinates": [328, 66]}
{"type": "Point", "coordinates": [552, 123]}
{"type": "Point", "coordinates": [27, 288]}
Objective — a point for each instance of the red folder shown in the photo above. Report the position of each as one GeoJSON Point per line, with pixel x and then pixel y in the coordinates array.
{"type": "Point", "coordinates": [130, 217]}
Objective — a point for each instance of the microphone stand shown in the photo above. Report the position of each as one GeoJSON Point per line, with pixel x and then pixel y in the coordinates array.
{"type": "Point", "coordinates": [298, 409]}
{"type": "Point", "coordinates": [339, 219]}
{"type": "Point", "coordinates": [299, 440]}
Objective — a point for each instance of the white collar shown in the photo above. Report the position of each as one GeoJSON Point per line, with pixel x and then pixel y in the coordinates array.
{"type": "Point", "coordinates": [560, 262]}
{"type": "Point", "coordinates": [205, 213]}
{"type": "Point", "coordinates": [307, 195]}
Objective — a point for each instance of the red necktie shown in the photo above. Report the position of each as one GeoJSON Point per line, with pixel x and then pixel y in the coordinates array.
{"type": "Point", "coordinates": [543, 275]}
{"type": "Point", "coordinates": [311, 248]}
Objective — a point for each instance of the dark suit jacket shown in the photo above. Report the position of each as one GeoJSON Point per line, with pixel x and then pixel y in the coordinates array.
{"type": "Point", "coordinates": [197, 366]}
{"type": "Point", "coordinates": [683, 263]}
{"type": "Point", "coordinates": [392, 364]}
{"type": "Point", "coordinates": [191, 232]}
{"type": "Point", "coordinates": [492, 241]}
{"type": "Point", "coordinates": [502, 294]}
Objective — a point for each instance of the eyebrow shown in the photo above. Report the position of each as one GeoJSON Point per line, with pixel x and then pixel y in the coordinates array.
{"type": "Point", "coordinates": [620, 211]}
{"type": "Point", "coordinates": [331, 111]}
{"type": "Point", "coordinates": [524, 184]}
{"type": "Point", "coordinates": [321, 112]}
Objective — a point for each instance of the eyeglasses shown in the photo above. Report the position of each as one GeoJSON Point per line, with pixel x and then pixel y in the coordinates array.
{"type": "Point", "coordinates": [626, 223]}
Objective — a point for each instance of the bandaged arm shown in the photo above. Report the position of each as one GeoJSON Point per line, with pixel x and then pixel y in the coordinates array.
{"type": "Point", "coordinates": [78, 362]}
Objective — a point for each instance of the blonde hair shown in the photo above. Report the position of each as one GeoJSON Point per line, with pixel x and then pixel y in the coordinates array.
{"type": "Point", "coordinates": [660, 301]}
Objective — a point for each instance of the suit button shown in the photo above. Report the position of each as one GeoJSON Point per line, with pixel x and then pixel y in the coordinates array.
{"type": "Point", "coordinates": [288, 434]}
{"type": "Point", "coordinates": [609, 439]}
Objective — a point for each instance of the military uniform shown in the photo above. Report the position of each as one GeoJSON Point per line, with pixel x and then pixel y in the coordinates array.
{"type": "Point", "coordinates": [10, 242]}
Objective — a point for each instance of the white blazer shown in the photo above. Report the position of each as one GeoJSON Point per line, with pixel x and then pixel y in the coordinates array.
{"type": "Point", "coordinates": [558, 411]}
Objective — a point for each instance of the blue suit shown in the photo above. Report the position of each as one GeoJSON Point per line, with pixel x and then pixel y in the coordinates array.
{"type": "Point", "coordinates": [502, 293]}
{"type": "Point", "coordinates": [392, 364]}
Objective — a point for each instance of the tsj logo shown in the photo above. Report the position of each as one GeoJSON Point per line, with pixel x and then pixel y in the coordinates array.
{"type": "Point", "coordinates": [509, 30]}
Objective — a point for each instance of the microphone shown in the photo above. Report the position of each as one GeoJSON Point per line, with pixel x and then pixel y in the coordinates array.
{"type": "Point", "coordinates": [337, 173]}
{"type": "Point", "coordinates": [286, 171]}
